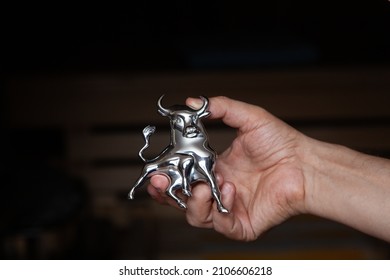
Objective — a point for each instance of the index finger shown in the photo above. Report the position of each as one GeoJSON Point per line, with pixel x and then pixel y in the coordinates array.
{"type": "Point", "coordinates": [234, 113]}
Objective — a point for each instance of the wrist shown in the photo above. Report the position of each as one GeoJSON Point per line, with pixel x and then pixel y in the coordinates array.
{"type": "Point", "coordinates": [319, 165]}
{"type": "Point", "coordinates": [346, 186]}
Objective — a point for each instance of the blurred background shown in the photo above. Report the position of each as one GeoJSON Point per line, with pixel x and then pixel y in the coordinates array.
{"type": "Point", "coordinates": [79, 82]}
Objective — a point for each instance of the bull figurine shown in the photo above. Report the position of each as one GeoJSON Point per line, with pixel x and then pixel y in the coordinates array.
{"type": "Point", "coordinates": [187, 159]}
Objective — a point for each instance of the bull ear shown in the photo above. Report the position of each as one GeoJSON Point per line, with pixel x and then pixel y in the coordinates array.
{"type": "Point", "coordinates": [163, 111]}
{"type": "Point", "coordinates": [202, 112]}
{"type": "Point", "coordinates": [205, 114]}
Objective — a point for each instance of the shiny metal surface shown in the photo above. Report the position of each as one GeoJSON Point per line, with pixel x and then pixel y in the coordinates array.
{"type": "Point", "coordinates": [187, 159]}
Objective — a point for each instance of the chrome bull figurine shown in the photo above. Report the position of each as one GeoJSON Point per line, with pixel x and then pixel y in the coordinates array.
{"type": "Point", "coordinates": [187, 159]}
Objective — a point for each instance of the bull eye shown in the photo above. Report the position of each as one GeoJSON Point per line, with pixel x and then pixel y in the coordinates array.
{"type": "Point", "coordinates": [178, 121]}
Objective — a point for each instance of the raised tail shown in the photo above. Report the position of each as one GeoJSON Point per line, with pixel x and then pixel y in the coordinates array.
{"type": "Point", "coordinates": [149, 130]}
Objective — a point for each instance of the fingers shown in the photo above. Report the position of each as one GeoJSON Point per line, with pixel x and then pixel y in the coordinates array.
{"type": "Point", "coordinates": [230, 225]}
{"type": "Point", "coordinates": [202, 209]}
{"type": "Point", "coordinates": [203, 212]}
{"type": "Point", "coordinates": [199, 207]}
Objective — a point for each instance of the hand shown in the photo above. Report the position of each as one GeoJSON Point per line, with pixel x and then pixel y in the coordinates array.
{"type": "Point", "coordinates": [260, 175]}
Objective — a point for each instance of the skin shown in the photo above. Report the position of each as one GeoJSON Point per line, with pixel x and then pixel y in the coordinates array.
{"type": "Point", "coordinates": [272, 172]}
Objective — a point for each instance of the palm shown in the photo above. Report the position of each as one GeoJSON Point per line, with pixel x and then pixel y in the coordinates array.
{"type": "Point", "coordinates": [261, 163]}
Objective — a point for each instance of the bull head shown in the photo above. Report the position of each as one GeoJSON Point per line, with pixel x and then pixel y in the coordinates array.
{"type": "Point", "coordinates": [184, 118]}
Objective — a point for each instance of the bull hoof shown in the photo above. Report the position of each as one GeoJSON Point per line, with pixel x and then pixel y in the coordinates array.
{"type": "Point", "coordinates": [131, 195]}
{"type": "Point", "coordinates": [182, 205]}
{"type": "Point", "coordinates": [223, 210]}
{"type": "Point", "coordinates": [187, 193]}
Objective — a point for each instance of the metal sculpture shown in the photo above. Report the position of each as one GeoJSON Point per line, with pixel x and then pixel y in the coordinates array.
{"type": "Point", "coordinates": [187, 159]}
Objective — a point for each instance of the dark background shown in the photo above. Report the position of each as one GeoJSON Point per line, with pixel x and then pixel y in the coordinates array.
{"type": "Point", "coordinates": [147, 35]}
{"type": "Point", "coordinates": [46, 212]}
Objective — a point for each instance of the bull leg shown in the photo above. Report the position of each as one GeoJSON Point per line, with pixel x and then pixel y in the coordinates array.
{"type": "Point", "coordinates": [186, 166]}
{"type": "Point", "coordinates": [176, 183]}
{"type": "Point", "coordinates": [144, 175]}
{"type": "Point", "coordinates": [214, 188]}
{"type": "Point", "coordinates": [138, 184]}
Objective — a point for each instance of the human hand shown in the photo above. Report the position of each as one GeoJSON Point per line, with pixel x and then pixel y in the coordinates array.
{"type": "Point", "coordinates": [260, 175]}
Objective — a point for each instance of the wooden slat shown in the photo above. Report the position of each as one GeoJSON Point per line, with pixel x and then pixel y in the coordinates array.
{"type": "Point", "coordinates": [109, 180]}
{"type": "Point", "coordinates": [362, 138]}
{"type": "Point", "coordinates": [124, 98]}
{"type": "Point", "coordinates": [87, 147]}
{"type": "Point", "coordinates": [90, 146]}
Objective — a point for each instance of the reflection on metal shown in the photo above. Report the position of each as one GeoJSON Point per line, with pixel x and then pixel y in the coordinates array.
{"type": "Point", "coordinates": [187, 159]}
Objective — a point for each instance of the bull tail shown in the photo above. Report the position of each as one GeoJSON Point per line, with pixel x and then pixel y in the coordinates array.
{"type": "Point", "coordinates": [147, 132]}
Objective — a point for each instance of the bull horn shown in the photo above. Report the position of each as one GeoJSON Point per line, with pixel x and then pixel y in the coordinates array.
{"type": "Point", "coordinates": [202, 110]}
{"type": "Point", "coordinates": [163, 111]}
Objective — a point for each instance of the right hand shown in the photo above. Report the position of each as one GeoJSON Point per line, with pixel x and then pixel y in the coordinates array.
{"type": "Point", "coordinates": [260, 175]}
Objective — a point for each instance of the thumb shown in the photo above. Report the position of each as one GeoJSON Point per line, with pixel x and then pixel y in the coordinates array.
{"type": "Point", "coordinates": [228, 192]}
{"type": "Point", "coordinates": [236, 114]}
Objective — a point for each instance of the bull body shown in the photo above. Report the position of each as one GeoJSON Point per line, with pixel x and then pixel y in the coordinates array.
{"type": "Point", "coordinates": [187, 159]}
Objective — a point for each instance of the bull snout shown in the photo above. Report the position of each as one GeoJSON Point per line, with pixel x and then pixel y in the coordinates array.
{"type": "Point", "coordinates": [190, 131]}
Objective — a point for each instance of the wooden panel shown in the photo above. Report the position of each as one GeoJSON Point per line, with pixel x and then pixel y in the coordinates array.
{"type": "Point", "coordinates": [325, 104]}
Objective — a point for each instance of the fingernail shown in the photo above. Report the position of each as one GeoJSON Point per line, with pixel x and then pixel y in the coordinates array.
{"type": "Point", "coordinates": [219, 179]}
{"type": "Point", "coordinates": [195, 103]}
